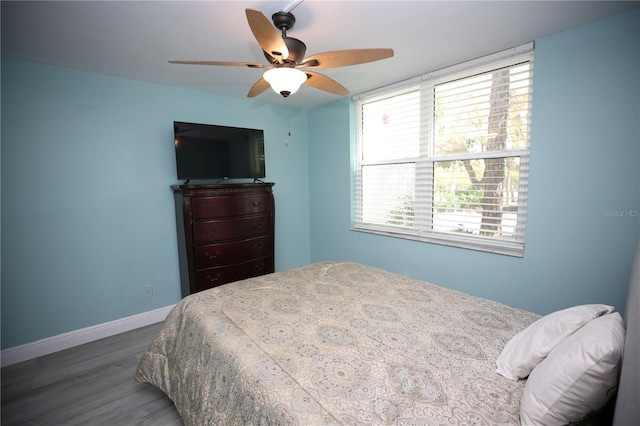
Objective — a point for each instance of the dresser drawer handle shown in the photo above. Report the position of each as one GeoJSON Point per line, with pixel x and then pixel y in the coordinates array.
{"type": "Point", "coordinates": [259, 267]}
{"type": "Point", "coordinates": [258, 246]}
{"type": "Point", "coordinates": [257, 225]}
{"type": "Point", "coordinates": [213, 279]}
{"type": "Point", "coordinates": [212, 256]}
{"type": "Point", "coordinates": [256, 203]}
{"type": "Point", "coordinates": [210, 208]}
{"type": "Point", "coordinates": [212, 232]}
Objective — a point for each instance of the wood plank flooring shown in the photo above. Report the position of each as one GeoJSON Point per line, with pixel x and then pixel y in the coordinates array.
{"type": "Point", "coordinates": [91, 384]}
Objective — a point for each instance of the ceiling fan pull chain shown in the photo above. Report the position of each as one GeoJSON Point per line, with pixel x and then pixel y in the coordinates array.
{"type": "Point", "coordinates": [286, 139]}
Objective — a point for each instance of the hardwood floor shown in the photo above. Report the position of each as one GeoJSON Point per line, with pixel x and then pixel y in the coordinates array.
{"type": "Point", "coordinates": [91, 384]}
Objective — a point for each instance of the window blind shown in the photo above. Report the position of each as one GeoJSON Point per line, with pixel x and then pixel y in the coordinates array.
{"type": "Point", "coordinates": [446, 159]}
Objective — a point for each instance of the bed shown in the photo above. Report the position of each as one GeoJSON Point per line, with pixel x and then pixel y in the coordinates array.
{"type": "Point", "coordinates": [336, 343]}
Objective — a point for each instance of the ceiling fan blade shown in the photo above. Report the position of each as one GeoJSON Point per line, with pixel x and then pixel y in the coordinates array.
{"type": "Point", "coordinates": [343, 58]}
{"type": "Point", "coordinates": [260, 86]}
{"type": "Point", "coordinates": [227, 64]}
{"type": "Point", "coordinates": [325, 83]}
{"type": "Point", "coordinates": [267, 35]}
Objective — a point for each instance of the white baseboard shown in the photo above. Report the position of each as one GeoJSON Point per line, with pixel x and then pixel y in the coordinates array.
{"type": "Point", "coordinates": [79, 337]}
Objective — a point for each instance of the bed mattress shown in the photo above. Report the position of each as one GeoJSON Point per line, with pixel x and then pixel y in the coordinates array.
{"type": "Point", "coordinates": [336, 343]}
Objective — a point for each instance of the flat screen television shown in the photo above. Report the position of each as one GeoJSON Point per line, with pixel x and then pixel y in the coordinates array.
{"type": "Point", "coordinates": [207, 151]}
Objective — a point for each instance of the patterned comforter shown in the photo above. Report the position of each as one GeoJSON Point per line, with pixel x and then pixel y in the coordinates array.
{"type": "Point", "coordinates": [336, 343]}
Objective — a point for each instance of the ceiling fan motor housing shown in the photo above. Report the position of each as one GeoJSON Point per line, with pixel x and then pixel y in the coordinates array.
{"type": "Point", "coordinates": [297, 51]}
{"type": "Point", "coordinates": [285, 21]}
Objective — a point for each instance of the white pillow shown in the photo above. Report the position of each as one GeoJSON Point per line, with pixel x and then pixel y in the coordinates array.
{"type": "Point", "coordinates": [578, 377]}
{"type": "Point", "coordinates": [530, 346]}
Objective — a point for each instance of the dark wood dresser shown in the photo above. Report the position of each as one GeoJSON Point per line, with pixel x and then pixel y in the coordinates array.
{"type": "Point", "coordinates": [225, 233]}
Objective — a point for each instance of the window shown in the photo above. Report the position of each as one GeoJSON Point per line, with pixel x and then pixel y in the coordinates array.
{"type": "Point", "coordinates": [444, 158]}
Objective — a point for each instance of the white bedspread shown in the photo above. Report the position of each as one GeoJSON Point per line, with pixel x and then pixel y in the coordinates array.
{"type": "Point", "coordinates": [336, 343]}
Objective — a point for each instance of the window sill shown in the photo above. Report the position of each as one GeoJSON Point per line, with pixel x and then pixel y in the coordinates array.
{"type": "Point", "coordinates": [490, 245]}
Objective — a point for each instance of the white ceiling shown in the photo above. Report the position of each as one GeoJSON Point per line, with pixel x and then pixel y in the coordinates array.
{"type": "Point", "coordinates": [135, 39]}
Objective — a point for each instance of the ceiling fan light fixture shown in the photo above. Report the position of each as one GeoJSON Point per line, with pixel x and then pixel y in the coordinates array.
{"type": "Point", "coordinates": [284, 80]}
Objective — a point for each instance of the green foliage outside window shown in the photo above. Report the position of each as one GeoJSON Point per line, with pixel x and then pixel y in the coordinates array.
{"type": "Point", "coordinates": [404, 214]}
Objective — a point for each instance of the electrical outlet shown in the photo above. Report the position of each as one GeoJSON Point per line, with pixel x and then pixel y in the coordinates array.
{"type": "Point", "coordinates": [148, 290]}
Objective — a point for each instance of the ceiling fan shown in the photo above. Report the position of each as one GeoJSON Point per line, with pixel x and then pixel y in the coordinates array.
{"type": "Point", "coordinates": [287, 54]}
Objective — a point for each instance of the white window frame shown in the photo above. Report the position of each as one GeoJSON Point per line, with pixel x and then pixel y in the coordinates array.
{"type": "Point", "coordinates": [424, 164]}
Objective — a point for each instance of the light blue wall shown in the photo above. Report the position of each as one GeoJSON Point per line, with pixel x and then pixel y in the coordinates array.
{"type": "Point", "coordinates": [585, 155]}
{"type": "Point", "coordinates": [87, 214]}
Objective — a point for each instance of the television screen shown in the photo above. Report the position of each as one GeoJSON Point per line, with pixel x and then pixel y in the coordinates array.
{"type": "Point", "coordinates": [206, 151]}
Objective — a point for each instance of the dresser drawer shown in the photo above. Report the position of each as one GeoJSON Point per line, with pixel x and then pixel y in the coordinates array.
{"type": "Point", "coordinates": [232, 252]}
{"type": "Point", "coordinates": [231, 205]}
{"type": "Point", "coordinates": [220, 230]}
{"type": "Point", "coordinates": [213, 277]}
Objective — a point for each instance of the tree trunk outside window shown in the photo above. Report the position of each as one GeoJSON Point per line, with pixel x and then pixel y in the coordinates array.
{"type": "Point", "coordinates": [494, 168]}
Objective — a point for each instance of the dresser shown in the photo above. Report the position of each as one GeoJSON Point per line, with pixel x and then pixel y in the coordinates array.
{"type": "Point", "coordinates": [225, 233]}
